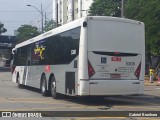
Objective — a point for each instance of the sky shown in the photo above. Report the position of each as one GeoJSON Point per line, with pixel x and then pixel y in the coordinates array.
{"type": "Point", "coordinates": [14, 13]}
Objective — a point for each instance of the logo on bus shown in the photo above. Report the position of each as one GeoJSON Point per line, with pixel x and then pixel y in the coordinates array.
{"type": "Point", "coordinates": [103, 60]}
{"type": "Point", "coordinates": [116, 59]}
{"type": "Point", "coordinates": [39, 50]}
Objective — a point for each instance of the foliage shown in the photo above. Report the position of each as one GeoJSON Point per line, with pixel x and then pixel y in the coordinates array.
{"type": "Point", "coordinates": [26, 32]}
{"type": "Point", "coordinates": [105, 8]}
{"type": "Point", "coordinates": [2, 29]}
{"type": "Point", "coordinates": [147, 11]}
{"type": "Point", "coordinates": [49, 25]}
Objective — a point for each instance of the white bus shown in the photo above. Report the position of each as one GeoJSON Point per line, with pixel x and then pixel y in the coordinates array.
{"type": "Point", "coordinates": [91, 56]}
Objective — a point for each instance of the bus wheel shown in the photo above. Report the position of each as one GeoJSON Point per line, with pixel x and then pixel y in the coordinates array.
{"type": "Point", "coordinates": [54, 93]}
{"type": "Point", "coordinates": [43, 86]}
{"type": "Point", "coordinates": [18, 81]}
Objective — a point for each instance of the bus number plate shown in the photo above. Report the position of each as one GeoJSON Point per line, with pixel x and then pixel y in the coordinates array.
{"type": "Point", "coordinates": [115, 76]}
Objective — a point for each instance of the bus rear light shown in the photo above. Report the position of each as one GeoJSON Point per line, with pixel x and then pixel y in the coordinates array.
{"type": "Point", "coordinates": [138, 71]}
{"type": "Point", "coordinates": [91, 71]}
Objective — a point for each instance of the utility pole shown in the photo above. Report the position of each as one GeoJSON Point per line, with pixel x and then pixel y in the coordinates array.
{"type": "Point", "coordinates": [57, 14]}
{"type": "Point", "coordinates": [45, 21]}
{"type": "Point", "coordinates": [122, 9]}
{"type": "Point", "coordinates": [72, 10]}
{"type": "Point", "coordinates": [81, 8]}
{"type": "Point", "coordinates": [42, 17]}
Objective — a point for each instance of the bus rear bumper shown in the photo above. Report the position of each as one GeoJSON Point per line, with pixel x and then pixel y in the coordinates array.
{"type": "Point", "coordinates": [112, 87]}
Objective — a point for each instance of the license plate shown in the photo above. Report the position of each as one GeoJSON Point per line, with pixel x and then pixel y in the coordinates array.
{"type": "Point", "coordinates": [115, 76]}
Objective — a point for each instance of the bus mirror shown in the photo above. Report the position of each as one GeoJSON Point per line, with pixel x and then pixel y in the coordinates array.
{"type": "Point", "coordinates": [14, 51]}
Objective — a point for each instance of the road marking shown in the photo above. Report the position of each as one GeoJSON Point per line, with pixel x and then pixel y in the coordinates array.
{"type": "Point", "coordinates": [31, 101]}
{"type": "Point", "coordinates": [30, 109]}
{"type": "Point", "coordinates": [91, 118]}
{"type": "Point", "coordinates": [69, 105]}
{"type": "Point", "coordinates": [149, 118]}
{"type": "Point", "coordinates": [34, 109]}
{"type": "Point", "coordinates": [40, 102]}
{"type": "Point", "coordinates": [135, 107]}
{"type": "Point", "coordinates": [34, 102]}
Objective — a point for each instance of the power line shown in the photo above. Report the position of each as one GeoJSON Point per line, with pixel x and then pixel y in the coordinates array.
{"type": "Point", "coordinates": [43, 11]}
{"type": "Point", "coordinates": [29, 11]}
{"type": "Point", "coordinates": [34, 19]}
{"type": "Point", "coordinates": [13, 21]}
{"type": "Point", "coordinates": [48, 6]}
{"type": "Point", "coordinates": [34, 22]}
{"type": "Point", "coordinates": [17, 11]}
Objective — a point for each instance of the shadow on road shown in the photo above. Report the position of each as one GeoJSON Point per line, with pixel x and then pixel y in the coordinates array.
{"type": "Point", "coordinates": [110, 101]}
{"type": "Point", "coordinates": [32, 89]}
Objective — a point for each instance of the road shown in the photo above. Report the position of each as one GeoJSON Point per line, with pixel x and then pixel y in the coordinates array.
{"type": "Point", "coordinates": [29, 99]}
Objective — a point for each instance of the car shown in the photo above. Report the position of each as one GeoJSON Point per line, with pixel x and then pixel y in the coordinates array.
{"type": "Point", "coordinates": [6, 62]}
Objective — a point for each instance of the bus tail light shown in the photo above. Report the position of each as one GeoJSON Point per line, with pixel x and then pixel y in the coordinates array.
{"type": "Point", "coordinates": [138, 71]}
{"type": "Point", "coordinates": [91, 71]}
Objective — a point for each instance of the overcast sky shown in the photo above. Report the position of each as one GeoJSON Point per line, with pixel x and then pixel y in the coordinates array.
{"type": "Point", "coordinates": [14, 13]}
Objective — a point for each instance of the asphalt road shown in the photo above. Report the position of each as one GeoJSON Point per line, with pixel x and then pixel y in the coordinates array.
{"type": "Point", "coordinates": [29, 99]}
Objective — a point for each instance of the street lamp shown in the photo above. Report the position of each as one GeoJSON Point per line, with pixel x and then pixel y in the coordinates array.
{"type": "Point", "coordinates": [40, 12]}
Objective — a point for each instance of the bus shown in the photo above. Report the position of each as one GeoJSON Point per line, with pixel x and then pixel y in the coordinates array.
{"type": "Point", "coordinates": [91, 56]}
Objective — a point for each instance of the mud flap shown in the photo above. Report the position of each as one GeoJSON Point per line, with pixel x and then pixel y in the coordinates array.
{"type": "Point", "coordinates": [70, 83]}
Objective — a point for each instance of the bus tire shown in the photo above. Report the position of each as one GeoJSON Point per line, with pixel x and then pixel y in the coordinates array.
{"type": "Point", "coordinates": [53, 92]}
{"type": "Point", "coordinates": [44, 86]}
{"type": "Point", "coordinates": [18, 81]}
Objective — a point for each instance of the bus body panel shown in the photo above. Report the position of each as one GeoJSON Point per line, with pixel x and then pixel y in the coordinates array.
{"type": "Point", "coordinates": [116, 53]}
{"type": "Point", "coordinates": [83, 88]}
{"type": "Point", "coordinates": [31, 75]}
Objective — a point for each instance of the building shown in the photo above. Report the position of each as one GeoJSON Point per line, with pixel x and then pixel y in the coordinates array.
{"type": "Point", "coordinates": [6, 45]}
{"type": "Point", "coordinates": [69, 10]}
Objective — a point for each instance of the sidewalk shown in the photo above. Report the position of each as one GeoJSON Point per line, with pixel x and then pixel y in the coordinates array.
{"type": "Point", "coordinates": [147, 82]}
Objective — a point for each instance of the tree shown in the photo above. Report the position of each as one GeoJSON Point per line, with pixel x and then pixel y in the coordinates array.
{"type": "Point", "coordinates": [2, 29]}
{"type": "Point", "coordinates": [26, 32]}
{"type": "Point", "coordinates": [106, 8]}
{"type": "Point", "coordinates": [49, 25]}
{"type": "Point", "coordinates": [147, 11]}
